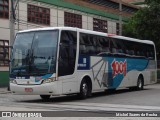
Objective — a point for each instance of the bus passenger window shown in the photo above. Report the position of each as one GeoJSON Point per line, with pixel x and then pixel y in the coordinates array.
{"type": "Point", "coordinates": [114, 50]}
{"type": "Point", "coordinates": [120, 51]}
{"type": "Point", "coordinates": [99, 46]}
{"type": "Point", "coordinates": [92, 39]}
{"type": "Point", "coordinates": [87, 44]}
{"type": "Point", "coordinates": [82, 49]}
{"type": "Point", "coordinates": [142, 53]}
{"type": "Point", "coordinates": [151, 54]}
{"type": "Point", "coordinates": [106, 49]}
{"type": "Point", "coordinates": [127, 52]}
{"type": "Point", "coordinates": [91, 49]}
{"type": "Point", "coordinates": [84, 42]}
{"type": "Point", "coordinates": [138, 53]}
{"type": "Point", "coordinates": [132, 52]}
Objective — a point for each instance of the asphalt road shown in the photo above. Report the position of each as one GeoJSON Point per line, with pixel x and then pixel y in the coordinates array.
{"type": "Point", "coordinates": [99, 105]}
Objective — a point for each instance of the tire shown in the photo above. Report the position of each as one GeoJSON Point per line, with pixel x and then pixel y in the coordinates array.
{"type": "Point", "coordinates": [45, 97]}
{"type": "Point", "coordinates": [140, 83]}
{"type": "Point", "coordinates": [85, 90]}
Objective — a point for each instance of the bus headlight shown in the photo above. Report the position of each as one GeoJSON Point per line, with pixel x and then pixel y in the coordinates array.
{"type": "Point", "coordinates": [48, 80]}
{"type": "Point", "coordinates": [13, 81]}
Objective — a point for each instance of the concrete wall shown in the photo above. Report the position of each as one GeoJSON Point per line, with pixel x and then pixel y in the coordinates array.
{"type": "Point", "coordinates": [4, 35]}
{"type": "Point", "coordinates": [111, 27]}
{"type": "Point", "coordinates": [4, 78]}
{"type": "Point", "coordinates": [56, 19]}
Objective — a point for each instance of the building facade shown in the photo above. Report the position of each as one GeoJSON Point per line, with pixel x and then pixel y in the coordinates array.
{"type": "Point", "coordinates": [94, 15]}
{"type": "Point", "coordinates": [139, 3]}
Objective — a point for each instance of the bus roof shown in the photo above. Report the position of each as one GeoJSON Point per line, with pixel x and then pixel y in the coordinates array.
{"type": "Point", "coordinates": [90, 32]}
{"type": "Point", "coordinates": [49, 28]}
{"type": "Point", "coordinates": [132, 39]}
{"type": "Point", "coordinates": [66, 28]}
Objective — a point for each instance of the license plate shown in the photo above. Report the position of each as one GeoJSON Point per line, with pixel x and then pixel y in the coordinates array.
{"type": "Point", "coordinates": [28, 90]}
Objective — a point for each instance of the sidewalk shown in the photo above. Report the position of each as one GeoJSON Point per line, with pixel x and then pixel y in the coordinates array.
{"type": "Point", "coordinates": [4, 90]}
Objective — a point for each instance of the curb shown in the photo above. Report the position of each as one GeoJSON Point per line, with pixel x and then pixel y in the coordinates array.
{"type": "Point", "coordinates": [5, 92]}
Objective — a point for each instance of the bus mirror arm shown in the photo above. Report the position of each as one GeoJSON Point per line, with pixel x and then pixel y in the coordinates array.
{"type": "Point", "coordinates": [11, 47]}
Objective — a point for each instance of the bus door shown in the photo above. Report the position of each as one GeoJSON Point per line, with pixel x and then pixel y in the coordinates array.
{"type": "Point", "coordinates": [67, 61]}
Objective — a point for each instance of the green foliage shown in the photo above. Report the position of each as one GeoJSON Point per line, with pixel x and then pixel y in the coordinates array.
{"type": "Point", "coordinates": [145, 24]}
{"type": "Point", "coordinates": [149, 2]}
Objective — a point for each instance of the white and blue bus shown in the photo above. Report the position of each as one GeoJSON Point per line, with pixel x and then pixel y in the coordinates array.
{"type": "Point", "coordinates": [66, 60]}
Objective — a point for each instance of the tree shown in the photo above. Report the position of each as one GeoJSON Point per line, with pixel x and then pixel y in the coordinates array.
{"type": "Point", "coordinates": [145, 24]}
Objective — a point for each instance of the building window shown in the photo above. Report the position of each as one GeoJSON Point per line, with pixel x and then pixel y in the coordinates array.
{"type": "Point", "coordinates": [38, 15]}
{"type": "Point", "coordinates": [4, 9]}
{"type": "Point", "coordinates": [72, 20]}
{"type": "Point", "coordinates": [117, 28]}
{"type": "Point", "coordinates": [4, 58]}
{"type": "Point", "coordinates": [100, 25]}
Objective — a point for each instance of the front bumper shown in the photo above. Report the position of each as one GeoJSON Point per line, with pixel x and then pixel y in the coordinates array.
{"type": "Point", "coordinates": [42, 89]}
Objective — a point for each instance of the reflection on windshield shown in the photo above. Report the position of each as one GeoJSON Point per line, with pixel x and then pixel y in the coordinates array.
{"type": "Point", "coordinates": [21, 49]}
{"type": "Point", "coordinates": [34, 53]}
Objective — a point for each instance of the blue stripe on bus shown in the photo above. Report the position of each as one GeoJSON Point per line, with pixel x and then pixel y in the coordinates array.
{"type": "Point", "coordinates": [119, 67]}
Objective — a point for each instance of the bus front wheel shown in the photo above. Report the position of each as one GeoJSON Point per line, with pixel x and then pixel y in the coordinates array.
{"type": "Point", "coordinates": [45, 97]}
{"type": "Point", "coordinates": [84, 89]}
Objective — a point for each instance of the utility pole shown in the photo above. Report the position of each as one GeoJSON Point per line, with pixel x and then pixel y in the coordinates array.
{"type": "Point", "coordinates": [120, 17]}
{"type": "Point", "coordinates": [13, 5]}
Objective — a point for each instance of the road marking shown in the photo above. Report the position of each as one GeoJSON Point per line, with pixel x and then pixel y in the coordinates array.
{"type": "Point", "coordinates": [79, 106]}
{"type": "Point", "coordinates": [114, 107]}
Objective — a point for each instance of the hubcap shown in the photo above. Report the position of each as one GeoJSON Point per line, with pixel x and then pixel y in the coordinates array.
{"type": "Point", "coordinates": [140, 84]}
{"type": "Point", "coordinates": [85, 89]}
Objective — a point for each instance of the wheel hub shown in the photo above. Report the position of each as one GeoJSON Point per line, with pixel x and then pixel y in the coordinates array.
{"type": "Point", "coordinates": [85, 89]}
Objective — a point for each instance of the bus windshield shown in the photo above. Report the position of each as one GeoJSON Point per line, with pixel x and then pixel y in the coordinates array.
{"type": "Point", "coordinates": [34, 53]}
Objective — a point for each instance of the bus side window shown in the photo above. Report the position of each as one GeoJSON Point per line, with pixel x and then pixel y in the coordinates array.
{"type": "Point", "coordinates": [92, 44]}
{"type": "Point", "coordinates": [132, 52]}
{"type": "Point", "coordinates": [87, 44]}
{"type": "Point", "coordinates": [113, 46]}
{"type": "Point", "coordinates": [83, 49]}
{"type": "Point", "coordinates": [151, 52]}
{"type": "Point", "coordinates": [105, 44]}
{"type": "Point", "coordinates": [99, 46]}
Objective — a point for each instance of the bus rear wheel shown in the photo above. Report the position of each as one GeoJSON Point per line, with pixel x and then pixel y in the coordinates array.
{"type": "Point", "coordinates": [140, 83]}
{"type": "Point", "coordinates": [45, 97]}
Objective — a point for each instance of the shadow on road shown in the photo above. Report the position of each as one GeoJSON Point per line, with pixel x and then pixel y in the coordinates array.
{"type": "Point", "coordinates": [71, 98]}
